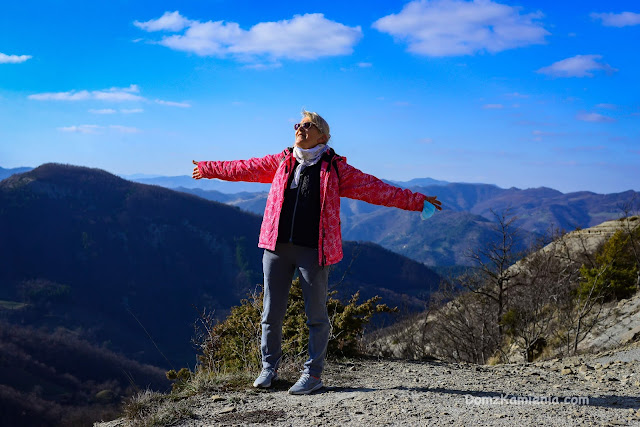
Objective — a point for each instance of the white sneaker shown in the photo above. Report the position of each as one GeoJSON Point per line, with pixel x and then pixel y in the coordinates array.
{"type": "Point", "coordinates": [264, 379]}
{"type": "Point", "coordinates": [306, 384]}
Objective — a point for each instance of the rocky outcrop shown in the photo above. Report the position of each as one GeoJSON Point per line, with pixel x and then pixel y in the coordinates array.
{"type": "Point", "coordinates": [589, 239]}
{"type": "Point", "coordinates": [620, 326]}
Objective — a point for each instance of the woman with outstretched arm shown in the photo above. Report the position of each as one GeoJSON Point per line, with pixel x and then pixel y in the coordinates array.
{"type": "Point", "coordinates": [301, 229]}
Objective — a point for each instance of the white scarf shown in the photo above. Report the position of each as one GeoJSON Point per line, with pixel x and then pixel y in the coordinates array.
{"type": "Point", "coordinates": [306, 157]}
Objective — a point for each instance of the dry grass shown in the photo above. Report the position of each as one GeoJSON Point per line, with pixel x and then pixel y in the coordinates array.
{"type": "Point", "coordinates": [203, 381]}
{"type": "Point", "coordinates": [149, 408]}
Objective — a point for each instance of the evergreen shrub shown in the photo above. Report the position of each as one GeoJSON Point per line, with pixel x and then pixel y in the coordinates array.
{"type": "Point", "coordinates": [234, 344]}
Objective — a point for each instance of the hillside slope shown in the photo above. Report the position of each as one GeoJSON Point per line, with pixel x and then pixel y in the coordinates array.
{"type": "Point", "coordinates": [88, 250]}
{"type": "Point", "coordinates": [49, 379]}
{"type": "Point", "coordinates": [546, 281]}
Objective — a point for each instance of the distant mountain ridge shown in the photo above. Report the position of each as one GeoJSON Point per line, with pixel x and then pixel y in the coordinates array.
{"type": "Point", "coordinates": [422, 182]}
{"type": "Point", "coordinates": [6, 173]}
{"type": "Point", "coordinates": [185, 181]}
{"type": "Point", "coordinates": [466, 221]}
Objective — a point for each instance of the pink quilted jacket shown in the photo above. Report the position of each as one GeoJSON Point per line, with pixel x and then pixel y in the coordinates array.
{"type": "Point", "coordinates": [348, 182]}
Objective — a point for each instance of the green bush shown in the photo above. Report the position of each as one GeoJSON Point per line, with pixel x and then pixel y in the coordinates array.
{"type": "Point", "coordinates": [180, 378]}
{"type": "Point", "coordinates": [234, 344]}
{"type": "Point", "coordinates": [348, 322]}
{"type": "Point", "coordinates": [615, 273]}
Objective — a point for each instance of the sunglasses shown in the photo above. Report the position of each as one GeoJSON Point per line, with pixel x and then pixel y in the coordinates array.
{"type": "Point", "coordinates": [305, 125]}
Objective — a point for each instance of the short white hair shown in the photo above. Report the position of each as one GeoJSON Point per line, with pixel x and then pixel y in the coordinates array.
{"type": "Point", "coordinates": [317, 120]}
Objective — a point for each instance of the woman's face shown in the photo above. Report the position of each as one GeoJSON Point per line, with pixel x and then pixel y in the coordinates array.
{"type": "Point", "coordinates": [309, 138]}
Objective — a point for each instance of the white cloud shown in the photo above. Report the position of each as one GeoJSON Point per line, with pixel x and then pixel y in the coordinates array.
{"type": "Point", "coordinates": [457, 27]}
{"type": "Point", "coordinates": [365, 64]}
{"type": "Point", "coordinates": [112, 94]}
{"type": "Point", "coordinates": [124, 129]}
{"type": "Point", "coordinates": [594, 117]}
{"type": "Point", "coordinates": [493, 106]}
{"type": "Point", "coordinates": [62, 96]}
{"type": "Point", "coordinates": [303, 37]}
{"type": "Point", "coordinates": [94, 129]}
{"type": "Point", "coordinates": [204, 39]}
{"type": "Point", "coordinates": [118, 94]}
{"type": "Point", "coordinates": [577, 66]}
{"type": "Point", "coordinates": [623, 19]}
{"type": "Point", "coordinates": [112, 111]}
{"type": "Point", "coordinates": [80, 129]}
{"type": "Point", "coordinates": [170, 21]}
{"type": "Point", "coordinates": [13, 59]}
{"type": "Point", "coordinates": [426, 140]}
{"type": "Point", "coordinates": [173, 104]}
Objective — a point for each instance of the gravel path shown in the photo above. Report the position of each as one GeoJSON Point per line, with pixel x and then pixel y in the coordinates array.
{"type": "Point", "coordinates": [401, 393]}
{"type": "Point", "coordinates": [371, 392]}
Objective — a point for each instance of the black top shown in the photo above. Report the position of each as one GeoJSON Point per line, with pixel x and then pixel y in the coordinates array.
{"type": "Point", "coordinates": [300, 215]}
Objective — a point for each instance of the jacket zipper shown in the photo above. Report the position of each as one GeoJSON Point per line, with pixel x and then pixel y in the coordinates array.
{"type": "Point", "coordinates": [295, 207]}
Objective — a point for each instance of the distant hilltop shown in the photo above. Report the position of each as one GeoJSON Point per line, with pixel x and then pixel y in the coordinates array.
{"type": "Point", "coordinates": [6, 173]}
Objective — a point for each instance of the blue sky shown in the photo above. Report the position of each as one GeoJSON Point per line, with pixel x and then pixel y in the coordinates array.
{"type": "Point", "coordinates": [518, 94]}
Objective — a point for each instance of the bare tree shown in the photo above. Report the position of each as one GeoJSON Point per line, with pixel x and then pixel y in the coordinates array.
{"type": "Point", "coordinates": [463, 329]}
{"type": "Point", "coordinates": [541, 284]}
{"type": "Point", "coordinates": [408, 338]}
{"type": "Point", "coordinates": [493, 278]}
{"type": "Point", "coordinates": [578, 314]}
{"type": "Point", "coordinates": [583, 313]}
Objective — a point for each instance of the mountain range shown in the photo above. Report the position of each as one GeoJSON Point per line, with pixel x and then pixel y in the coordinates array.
{"type": "Point", "coordinates": [466, 222]}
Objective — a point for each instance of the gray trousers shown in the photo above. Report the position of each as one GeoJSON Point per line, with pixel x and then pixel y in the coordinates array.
{"type": "Point", "coordinates": [278, 267]}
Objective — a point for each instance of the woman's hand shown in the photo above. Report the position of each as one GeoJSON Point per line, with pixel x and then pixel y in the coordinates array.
{"type": "Point", "coordinates": [196, 172]}
{"type": "Point", "coordinates": [435, 202]}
